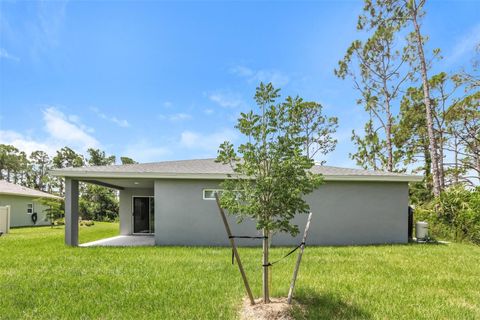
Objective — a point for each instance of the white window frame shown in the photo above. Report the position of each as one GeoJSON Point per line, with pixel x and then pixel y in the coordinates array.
{"type": "Point", "coordinates": [30, 208]}
{"type": "Point", "coordinates": [210, 190]}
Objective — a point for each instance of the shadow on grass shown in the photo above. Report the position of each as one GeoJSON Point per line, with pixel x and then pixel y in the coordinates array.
{"type": "Point", "coordinates": [325, 306]}
{"type": "Point", "coordinates": [431, 242]}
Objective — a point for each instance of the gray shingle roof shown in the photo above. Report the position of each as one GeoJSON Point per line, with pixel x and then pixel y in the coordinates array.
{"type": "Point", "coordinates": [17, 190]}
{"type": "Point", "coordinates": [203, 168]}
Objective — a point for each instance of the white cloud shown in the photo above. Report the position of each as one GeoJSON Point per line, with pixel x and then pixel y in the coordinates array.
{"type": "Point", "coordinates": [276, 77]}
{"type": "Point", "coordinates": [175, 117]}
{"type": "Point", "coordinates": [76, 119]}
{"type": "Point", "coordinates": [227, 99]}
{"type": "Point", "coordinates": [25, 143]}
{"type": "Point", "coordinates": [119, 122]}
{"type": "Point", "coordinates": [208, 111]}
{"type": "Point", "coordinates": [465, 45]}
{"type": "Point", "coordinates": [63, 130]}
{"type": "Point", "coordinates": [4, 54]}
{"type": "Point", "coordinates": [208, 142]}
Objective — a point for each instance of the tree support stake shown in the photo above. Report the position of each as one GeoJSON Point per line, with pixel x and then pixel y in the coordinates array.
{"type": "Point", "coordinates": [234, 249]}
{"type": "Point", "coordinates": [299, 259]}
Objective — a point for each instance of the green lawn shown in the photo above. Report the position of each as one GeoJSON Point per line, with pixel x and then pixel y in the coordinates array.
{"type": "Point", "coordinates": [40, 278]}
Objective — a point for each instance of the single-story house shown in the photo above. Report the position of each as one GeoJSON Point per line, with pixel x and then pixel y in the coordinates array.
{"type": "Point", "coordinates": [174, 201]}
{"type": "Point", "coordinates": [25, 207]}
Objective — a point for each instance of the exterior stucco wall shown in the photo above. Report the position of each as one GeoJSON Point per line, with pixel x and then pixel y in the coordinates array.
{"type": "Point", "coordinates": [125, 207]}
{"type": "Point", "coordinates": [18, 212]}
{"type": "Point", "coordinates": [344, 213]}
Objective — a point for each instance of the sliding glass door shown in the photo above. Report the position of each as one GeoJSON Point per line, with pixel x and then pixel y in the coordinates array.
{"type": "Point", "coordinates": [143, 215]}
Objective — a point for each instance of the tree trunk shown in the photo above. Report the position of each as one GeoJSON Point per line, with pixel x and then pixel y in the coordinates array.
{"type": "Point", "coordinates": [266, 293]}
{"type": "Point", "coordinates": [388, 128]}
{"type": "Point", "coordinates": [389, 146]}
{"type": "Point", "coordinates": [428, 106]}
{"type": "Point", "coordinates": [477, 158]}
{"type": "Point", "coordinates": [455, 153]}
{"type": "Point", "coordinates": [441, 172]}
{"type": "Point", "coordinates": [427, 165]}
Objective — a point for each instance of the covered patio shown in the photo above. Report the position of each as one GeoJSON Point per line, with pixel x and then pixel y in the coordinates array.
{"type": "Point", "coordinates": [123, 241]}
{"type": "Point", "coordinates": [136, 211]}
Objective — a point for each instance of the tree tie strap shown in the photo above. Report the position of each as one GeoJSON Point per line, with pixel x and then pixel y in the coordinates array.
{"type": "Point", "coordinates": [247, 237]}
{"type": "Point", "coordinates": [292, 251]}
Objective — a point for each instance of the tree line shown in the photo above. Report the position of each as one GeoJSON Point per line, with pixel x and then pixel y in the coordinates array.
{"type": "Point", "coordinates": [32, 171]}
{"type": "Point", "coordinates": [417, 120]}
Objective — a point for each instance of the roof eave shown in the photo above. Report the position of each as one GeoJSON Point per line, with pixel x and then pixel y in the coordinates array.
{"type": "Point", "coordinates": [51, 196]}
{"type": "Point", "coordinates": [216, 176]}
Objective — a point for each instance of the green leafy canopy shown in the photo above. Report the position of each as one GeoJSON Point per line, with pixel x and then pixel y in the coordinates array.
{"type": "Point", "coordinates": [272, 168]}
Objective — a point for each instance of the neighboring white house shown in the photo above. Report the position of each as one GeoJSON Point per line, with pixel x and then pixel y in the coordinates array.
{"type": "Point", "coordinates": [24, 204]}
{"type": "Point", "coordinates": [174, 200]}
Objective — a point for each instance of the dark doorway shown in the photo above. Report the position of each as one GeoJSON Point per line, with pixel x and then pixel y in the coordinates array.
{"type": "Point", "coordinates": [143, 215]}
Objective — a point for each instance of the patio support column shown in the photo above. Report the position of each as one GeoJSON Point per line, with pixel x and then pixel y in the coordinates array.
{"type": "Point", "coordinates": [71, 212]}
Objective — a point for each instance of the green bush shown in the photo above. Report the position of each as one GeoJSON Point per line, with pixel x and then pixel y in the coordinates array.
{"type": "Point", "coordinates": [59, 222]}
{"type": "Point", "coordinates": [87, 223]}
{"type": "Point", "coordinates": [454, 215]}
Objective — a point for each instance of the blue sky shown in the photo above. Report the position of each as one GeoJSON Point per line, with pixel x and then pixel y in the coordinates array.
{"type": "Point", "coordinates": [164, 80]}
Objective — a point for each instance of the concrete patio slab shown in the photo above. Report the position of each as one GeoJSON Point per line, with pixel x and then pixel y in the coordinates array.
{"type": "Point", "coordinates": [122, 241]}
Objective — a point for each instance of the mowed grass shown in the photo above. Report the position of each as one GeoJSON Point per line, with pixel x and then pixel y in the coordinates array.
{"type": "Point", "coordinates": [40, 278]}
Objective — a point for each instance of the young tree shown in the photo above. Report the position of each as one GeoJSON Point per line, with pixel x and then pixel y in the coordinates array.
{"type": "Point", "coordinates": [271, 168]}
{"type": "Point", "coordinates": [55, 210]}
{"type": "Point", "coordinates": [376, 67]}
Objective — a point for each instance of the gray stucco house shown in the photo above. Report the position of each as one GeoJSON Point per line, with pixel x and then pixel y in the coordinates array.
{"type": "Point", "coordinates": [174, 200]}
{"type": "Point", "coordinates": [24, 204]}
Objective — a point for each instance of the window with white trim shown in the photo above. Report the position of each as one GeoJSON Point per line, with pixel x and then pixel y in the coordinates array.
{"type": "Point", "coordinates": [209, 194]}
{"type": "Point", "coordinates": [29, 208]}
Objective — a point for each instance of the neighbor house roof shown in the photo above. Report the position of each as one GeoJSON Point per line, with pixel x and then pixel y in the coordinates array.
{"type": "Point", "coordinates": [17, 190]}
{"type": "Point", "coordinates": [209, 169]}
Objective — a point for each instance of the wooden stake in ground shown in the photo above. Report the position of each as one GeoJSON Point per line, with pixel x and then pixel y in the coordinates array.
{"type": "Point", "coordinates": [299, 259]}
{"type": "Point", "coordinates": [235, 252]}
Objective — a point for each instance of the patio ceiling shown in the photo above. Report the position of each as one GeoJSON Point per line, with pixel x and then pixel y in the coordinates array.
{"type": "Point", "coordinates": [121, 183]}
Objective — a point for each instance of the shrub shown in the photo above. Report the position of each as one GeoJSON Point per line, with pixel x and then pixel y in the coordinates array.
{"type": "Point", "coordinates": [87, 223]}
{"type": "Point", "coordinates": [455, 214]}
{"type": "Point", "coordinates": [59, 222]}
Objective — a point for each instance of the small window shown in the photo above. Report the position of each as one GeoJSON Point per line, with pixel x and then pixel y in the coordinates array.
{"type": "Point", "coordinates": [29, 208]}
{"type": "Point", "coordinates": [209, 194]}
